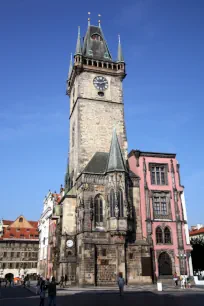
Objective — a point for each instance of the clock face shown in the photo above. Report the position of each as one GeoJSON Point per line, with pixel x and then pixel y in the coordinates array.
{"type": "Point", "coordinates": [100, 83]}
{"type": "Point", "coordinates": [70, 243]}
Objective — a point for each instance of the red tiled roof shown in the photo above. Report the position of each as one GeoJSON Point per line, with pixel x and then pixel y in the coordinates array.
{"type": "Point", "coordinates": [7, 222]}
{"type": "Point", "coordinates": [11, 232]}
{"type": "Point", "coordinates": [20, 233]}
{"type": "Point", "coordinates": [196, 232]}
{"type": "Point", "coordinates": [34, 223]}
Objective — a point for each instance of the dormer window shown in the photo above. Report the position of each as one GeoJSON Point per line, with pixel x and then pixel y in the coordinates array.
{"type": "Point", "coordinates": [106, 55]}
{"type": "Point", "coordinates": [96, 37]}
{"type": "Point", "coordinates": [90, 52]}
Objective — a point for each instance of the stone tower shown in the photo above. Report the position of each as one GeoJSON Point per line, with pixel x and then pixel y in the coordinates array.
{"type": "Point", "coordinates": [99, 233]}
{"type": "Point", "coordinates": [96, 100]}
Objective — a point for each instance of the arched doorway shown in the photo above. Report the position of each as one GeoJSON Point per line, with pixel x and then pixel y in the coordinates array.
{"type": "Point", "coordinates": [9, 276]}
{"type": "Point", "coordinates": [165, 264]}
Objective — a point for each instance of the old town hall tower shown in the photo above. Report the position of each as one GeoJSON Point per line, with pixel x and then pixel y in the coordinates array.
{"type": "Point", "coordinates": [100, 231]}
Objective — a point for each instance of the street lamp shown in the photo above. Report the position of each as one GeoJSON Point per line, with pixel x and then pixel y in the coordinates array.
{"type": "Point", "coordinates": [182, 260]}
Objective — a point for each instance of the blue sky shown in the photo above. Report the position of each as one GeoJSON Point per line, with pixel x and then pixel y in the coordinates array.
{"type": "Point", "coordinates": [164, 93]}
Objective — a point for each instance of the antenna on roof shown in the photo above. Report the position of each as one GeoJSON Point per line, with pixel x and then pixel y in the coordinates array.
{"type": "Point", "coordinates": [89, 19]}
{"type": "Point", "coordinates": [99, 21]}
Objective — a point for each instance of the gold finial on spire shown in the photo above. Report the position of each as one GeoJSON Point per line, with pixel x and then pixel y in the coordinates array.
{"type": "Point", "coordinates": [89, 13]}
{"type": "Point", "coordinates": [99, 22]}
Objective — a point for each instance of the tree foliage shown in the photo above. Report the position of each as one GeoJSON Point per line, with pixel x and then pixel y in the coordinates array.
{"type": "Point", "coordinates": [198, 253]}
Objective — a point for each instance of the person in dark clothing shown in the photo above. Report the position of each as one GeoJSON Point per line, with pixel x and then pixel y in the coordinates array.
{"type": "Point", "coordinates": [38, 285]}
{"type": "Point", "coordinates": [52, 290]}
{"type": "Point", "coordinates": [62, 281]}
{"type": "Point", "coordinates": [42, 293]}
{"type": "Point", "coordinates": [65, 279]}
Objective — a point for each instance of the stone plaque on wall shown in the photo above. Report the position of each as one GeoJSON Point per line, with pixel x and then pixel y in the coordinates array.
{"type": "Point", "coordinates": [113, 224]}
{"type": "Point", "coordinates": [123, 224]}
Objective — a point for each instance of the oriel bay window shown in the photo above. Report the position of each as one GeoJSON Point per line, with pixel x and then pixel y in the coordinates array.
{"type": "Point", "coordinates": [158, 174]}
{"type": "Point", "coordinates": [161, 205]}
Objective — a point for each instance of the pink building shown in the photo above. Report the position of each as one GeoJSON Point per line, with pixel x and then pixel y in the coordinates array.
{"type": "Point", "coordinates": [163, 211]}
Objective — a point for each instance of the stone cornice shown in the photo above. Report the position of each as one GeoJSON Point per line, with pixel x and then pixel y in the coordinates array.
{"type": "Point", "coordinates": [151, 154]}
{"type": "Point", "coordinates": [80, 67]}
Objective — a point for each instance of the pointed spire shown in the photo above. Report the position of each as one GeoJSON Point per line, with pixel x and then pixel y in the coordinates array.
{"type": "Point", "coordinates": [70, 67]}
{"type": "Point", "coordinates": [120, 53]}
{"type": "Point", "coordinates": [115, 159]}
{"type": "Point", "coordinates": [78, 45]}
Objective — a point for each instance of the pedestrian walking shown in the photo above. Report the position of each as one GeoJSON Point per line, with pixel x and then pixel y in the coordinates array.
{"type": "Point", "coordinates": [52, 291]}
{"type": "Point", "coordinates": [62, 281]}
{"type": "Point", "coordinates": [42, 293]}
{"type": "Point", "coordinates": [182, 279]}
{"type": "Point", "coordinates": [121, 283]}
{"type": "Point", "coordinates": [38, 285]}
{"type": "Point", "coordinates": [175, 278]}
{"type": "Point", "coordinates": [65, 279]}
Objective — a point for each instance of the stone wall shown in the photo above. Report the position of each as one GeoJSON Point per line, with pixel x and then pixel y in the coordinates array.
{"type": "Point", "coordinates": [135, 269]}
{"type": "Point", "coordinates": [94, 118]}
{"type": "Point", "coordinates": [68, 219]}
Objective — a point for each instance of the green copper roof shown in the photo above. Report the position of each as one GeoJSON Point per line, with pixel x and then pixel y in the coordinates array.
{"type": "Point", "coordinates": [120, 53]}
{"type": "Point", "coordinates": [95, 45]}
{"type": "Point", "coordinates": [78, 45]}
{"type": "Point", "coordinates": [115, 159]}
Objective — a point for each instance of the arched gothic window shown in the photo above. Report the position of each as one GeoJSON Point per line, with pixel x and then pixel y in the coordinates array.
{"type": "Point", "coordinates": [159, 235]}
{"type": "Point", "coordinates": [120, 203]}
{"type": "Point", "coordinates": [112, 203]}
{"type": "Point", "coordinates": [98, 201]}
{"type": "Point", "coordinates": [167, 235]}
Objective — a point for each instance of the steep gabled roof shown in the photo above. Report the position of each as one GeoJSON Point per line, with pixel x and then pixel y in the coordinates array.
{"type": "Point", "coordinates": [95, 48]}
{"type": "Point", "coordinates": [98, 163]}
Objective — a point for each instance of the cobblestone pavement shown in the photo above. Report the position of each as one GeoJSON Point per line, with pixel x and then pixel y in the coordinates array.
{"type": "Point", "coordinates": [19, 296]}
{"type": "Point", "coordinates": [136, 288]}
